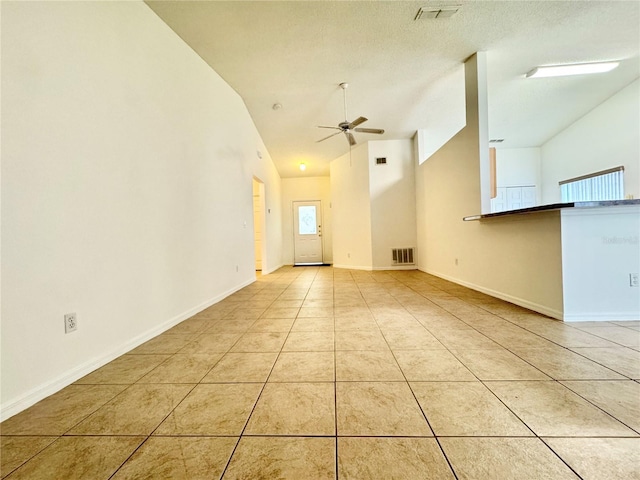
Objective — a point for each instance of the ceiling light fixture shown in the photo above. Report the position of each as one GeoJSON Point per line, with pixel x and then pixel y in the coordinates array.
{"type": "Point", "coordinates": [437, 11]}
{"type": "Point", "coordinates": [575, 69]}
{"type": "Point", "coordinates": [277, 106]}
{"type": "Point", "coordinates": [303, 167]}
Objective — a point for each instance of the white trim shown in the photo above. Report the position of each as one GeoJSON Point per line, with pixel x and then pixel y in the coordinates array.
{"type": "Point", "coordinates": [271, 270]}
{"type": "Point", "coordinates": [40, 392]}
{"type": "Point", "coordinates": [617, 209]}
{"type": "Point", "coordinates": [398, 267]}
{"type": "Point", "coordinates": [601, 317]}
{"type": "Point", "coordinates": [352, 267]}
{"type": "Point", "coordinates": [550, 312]}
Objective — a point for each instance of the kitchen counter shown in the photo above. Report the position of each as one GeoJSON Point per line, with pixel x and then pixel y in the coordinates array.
{"type": "Point", "coordinates": [553, 206]}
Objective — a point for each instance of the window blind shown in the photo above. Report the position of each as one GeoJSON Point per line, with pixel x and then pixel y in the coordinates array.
{"type": "Point", "coordinates": [605, 185]}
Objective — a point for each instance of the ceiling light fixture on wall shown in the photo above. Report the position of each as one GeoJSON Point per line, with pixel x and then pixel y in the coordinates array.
{"type": "Point", "coordinates": [303, 167]}
{"type": "Point", "coordinates": [575, 69]}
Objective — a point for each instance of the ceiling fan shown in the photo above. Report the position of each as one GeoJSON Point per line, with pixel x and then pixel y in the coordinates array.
{"type": "Point", "coordinates": [348, 127]}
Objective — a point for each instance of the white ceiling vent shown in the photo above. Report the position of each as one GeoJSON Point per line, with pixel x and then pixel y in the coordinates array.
{"type": "Point", "coordinates": [437, 11]}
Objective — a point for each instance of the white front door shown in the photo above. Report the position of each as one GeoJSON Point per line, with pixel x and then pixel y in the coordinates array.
{"type": "Point", "coordinates": [307, 233]}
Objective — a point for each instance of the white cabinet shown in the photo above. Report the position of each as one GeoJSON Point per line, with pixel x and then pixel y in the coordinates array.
{"type": "Point", "coordinates": [513, 198]}
{"type": "Point", "coordinates": [499, 203]}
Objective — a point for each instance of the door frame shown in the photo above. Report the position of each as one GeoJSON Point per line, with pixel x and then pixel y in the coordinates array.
{"type": "Point", "coordinates": [263, 223]}
{"type": "Point", "coordinates": [320, 223]}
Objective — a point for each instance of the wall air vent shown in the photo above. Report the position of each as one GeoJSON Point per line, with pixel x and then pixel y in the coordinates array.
{"type": "Point", "coordinates": [402, 256]}
{"type": "Point", "coordinates": [381, 160]}
{"type": "Point", "coordinates": [437, 11]}
{"type": "Point", "coordinates": [496, 140]}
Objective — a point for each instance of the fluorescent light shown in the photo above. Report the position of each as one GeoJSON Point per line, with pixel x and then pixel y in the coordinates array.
{"type": "Point", "coordinates": [575, 69]}
{"type": "Point", "coordinates": [303, 167]}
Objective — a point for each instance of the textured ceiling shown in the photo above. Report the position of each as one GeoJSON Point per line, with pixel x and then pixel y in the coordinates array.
{"type": "Point", "coordinates": [404, 74]}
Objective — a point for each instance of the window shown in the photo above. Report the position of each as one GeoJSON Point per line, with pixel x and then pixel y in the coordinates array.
{"type": "Point", "coordinates": [605, 185]}
{"type": "Point", "coordinates": [307, 220]}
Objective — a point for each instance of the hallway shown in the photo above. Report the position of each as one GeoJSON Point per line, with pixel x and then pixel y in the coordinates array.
{"type": "Point", "coordinates": [323, 373]}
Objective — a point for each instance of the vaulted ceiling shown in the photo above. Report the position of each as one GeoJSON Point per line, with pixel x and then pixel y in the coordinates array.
{"type": "Point", "coordinates": [404, 73]}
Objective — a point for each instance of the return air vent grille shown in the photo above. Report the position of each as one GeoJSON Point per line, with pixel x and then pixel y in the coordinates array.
{"type": "Point", "coordinates": [381, 160]}
{"type": "Point", "coordinates": [402, 256]}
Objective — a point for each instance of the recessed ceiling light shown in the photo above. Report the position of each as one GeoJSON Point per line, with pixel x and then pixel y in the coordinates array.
{"type": "Point", "coordinates": [575, 69]}
{"type": "Point", "coordinates": [303, 167]}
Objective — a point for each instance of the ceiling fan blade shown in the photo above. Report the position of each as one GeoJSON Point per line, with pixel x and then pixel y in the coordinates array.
{"type": "Point", "coordinates": [357, 122]}
{"type": "Point", "coordinates": [369, 130]}
{"type": "Point", "coordinates": [332, 135]}
{"type": "Point", "coordinates": [334, 128]}
{"type": "Point", "coordinates": [350, 138]}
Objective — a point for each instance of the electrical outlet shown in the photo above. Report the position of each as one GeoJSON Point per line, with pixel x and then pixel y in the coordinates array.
{"type": "Point", "coordinates": [456, 261]}
{"type": "Point", "coordinates": [633, 280]}
{"type": "Point", "coordinates": [70, 323]}
{"type": "Point", "coordinates": [237, 268]}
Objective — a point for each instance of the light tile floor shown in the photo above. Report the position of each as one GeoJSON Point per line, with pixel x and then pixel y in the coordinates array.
{"type": "Point", "coordinates": [314, 373]}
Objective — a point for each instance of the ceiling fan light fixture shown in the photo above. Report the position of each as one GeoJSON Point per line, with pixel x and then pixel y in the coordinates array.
{"type": "Point", "coordinates": [571, 69]}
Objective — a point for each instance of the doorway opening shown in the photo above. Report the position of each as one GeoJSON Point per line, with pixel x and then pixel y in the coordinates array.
{"type": "Point", "coordinates": [258, 223]}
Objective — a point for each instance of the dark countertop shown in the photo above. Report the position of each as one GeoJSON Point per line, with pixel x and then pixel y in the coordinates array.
{"type": "Point", "coordinates": [553, 206]}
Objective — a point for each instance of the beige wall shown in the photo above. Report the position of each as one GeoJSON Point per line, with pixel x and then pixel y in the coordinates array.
{"type": "Point", "coordinates": [373, 205]}
{"type": "Point", "coordinates": [393, 200]}
{"type": "Point", "coordinates": [515, 258]}
{"type": "Point", "coordinates": [352, 247]}
{"type": "Point", "coordinates": [127, 166]}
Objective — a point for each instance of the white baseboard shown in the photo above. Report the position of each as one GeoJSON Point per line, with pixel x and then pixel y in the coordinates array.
{"type": "Point", "coordinates": [352, 267]}
{"type": "Point", "coordinates": [545, 310]}
{"type": "Point", "coordinates": [601, 317]}
{"type": "Point", "coordinates": [397, 267]}
{"type": "Point", "coordinates": [24, 401]}
{"type": "Point", "coordinates": [271, 270]}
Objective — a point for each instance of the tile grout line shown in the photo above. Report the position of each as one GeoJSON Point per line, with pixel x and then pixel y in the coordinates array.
{"type": "Point", "coordinates": [264, 385]}
{"type": "Point", "coordinates": [424, 415]}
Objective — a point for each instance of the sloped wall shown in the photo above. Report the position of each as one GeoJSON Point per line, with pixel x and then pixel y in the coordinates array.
{"type": "Point", "coordinates": [127, 169]}
{"type": "Point", "coordinates": [606, 137]}
{"type": "Point", "coordinates": [515, 258]}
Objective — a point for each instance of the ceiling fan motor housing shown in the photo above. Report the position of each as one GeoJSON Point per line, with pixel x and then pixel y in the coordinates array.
{"type": "Point", "coordinates": [347, 127]}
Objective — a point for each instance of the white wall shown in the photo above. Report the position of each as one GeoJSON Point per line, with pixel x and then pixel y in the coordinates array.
{"type": "Point", "coordinates": [515, 258]}
{"type": "Point", "coordinates": [351, 210]}
{"type": "Point", "coordinates": [518, 166]}
{"type": "Point", "coordinates": [393, 200]}
{"type": "Point", "coordinates": [127, 166]}
{"type": "Point", "coordinates": [446, 117]}
{"type": "Point", "coordinates": [606, 137]}
{"type": "Point", "coordinates": [600, 248]}
{"type": "Point", "coordinates": [306, 189]}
